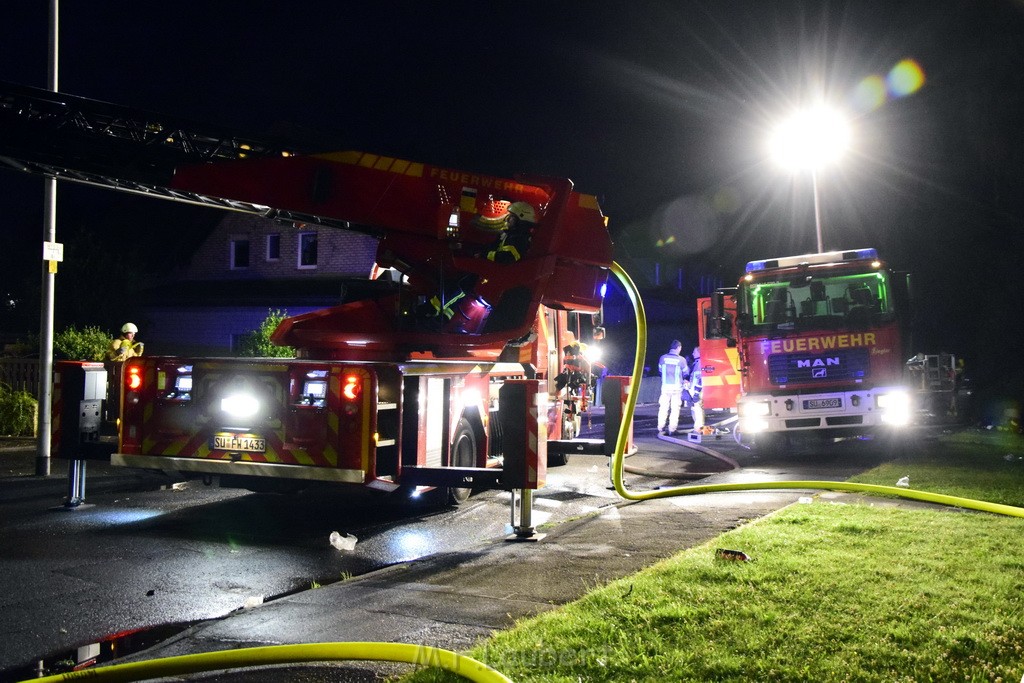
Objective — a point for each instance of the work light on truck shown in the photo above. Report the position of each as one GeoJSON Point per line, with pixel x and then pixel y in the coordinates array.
{"type": "Point", "coordinates": [240, 405]}
{"type": "Point", "coordinates": [895, 407]}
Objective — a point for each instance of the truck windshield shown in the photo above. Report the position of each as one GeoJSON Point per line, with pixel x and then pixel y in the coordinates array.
{"type": "Point", "coordinates": [816, 300]}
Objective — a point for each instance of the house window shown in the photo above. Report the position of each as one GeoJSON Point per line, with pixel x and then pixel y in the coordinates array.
{"type": "Point", "coordinates": [239, 254]}
{"type": "Point", "coordinates": [307, 250]}
{"type": "Point", "coordinates": [273, 247]}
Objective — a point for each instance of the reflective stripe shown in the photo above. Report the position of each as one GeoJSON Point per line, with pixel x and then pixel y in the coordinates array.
{"type": "Point", "coordinates": [672, 368]}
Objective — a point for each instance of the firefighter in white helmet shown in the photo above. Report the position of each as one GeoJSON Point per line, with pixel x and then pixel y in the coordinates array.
{"type": "Point", "coordinates": [516, 234]}
{"type": "Point", "coordinates": [125, 346]}
{"type": "Point", "coordinates": [457, 302]}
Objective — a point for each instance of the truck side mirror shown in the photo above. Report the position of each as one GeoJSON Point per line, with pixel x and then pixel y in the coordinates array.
{"type": "Point", "coordinates": [719, 322]}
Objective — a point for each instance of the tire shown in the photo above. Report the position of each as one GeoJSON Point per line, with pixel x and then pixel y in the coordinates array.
{"type": "Point", "coordinates": [463, 454]}
{"type": "Point", "coordinates": [558, 459]}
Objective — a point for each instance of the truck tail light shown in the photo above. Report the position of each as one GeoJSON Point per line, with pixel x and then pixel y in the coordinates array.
{"type": "Point", "coordinates": [133, 378]}
{"type": "Point", "coordinates": [351, 387]}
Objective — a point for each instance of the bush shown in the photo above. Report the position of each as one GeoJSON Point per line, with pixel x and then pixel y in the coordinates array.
{"type": "Point", "coordinates": [89, 343]}
{"type": "Point", "coordinates": [17, 412]}
{"type": "Point", "coordinates": [257, 344]}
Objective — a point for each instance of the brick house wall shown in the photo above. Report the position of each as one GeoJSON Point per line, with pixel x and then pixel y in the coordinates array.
{"type": "Point", "coordinates": [233, 280]}
{"type": "Point", "coordinates": [339, 252]}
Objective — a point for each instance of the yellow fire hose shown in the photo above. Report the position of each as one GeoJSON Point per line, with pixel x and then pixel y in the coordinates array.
{"type": "Point", "coordinates": [474, 670]}
{"type": "Point", "coordinates": [420, 655]}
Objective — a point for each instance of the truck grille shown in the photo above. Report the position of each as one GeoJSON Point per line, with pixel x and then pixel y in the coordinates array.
{"type": "Point", "coordinates": [837, 365]}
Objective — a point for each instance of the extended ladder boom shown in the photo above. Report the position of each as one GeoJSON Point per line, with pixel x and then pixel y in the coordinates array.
{"type": "Point", "coordinates": [120, 148]}
{"type": "Point", "coordinates": [426, 218]}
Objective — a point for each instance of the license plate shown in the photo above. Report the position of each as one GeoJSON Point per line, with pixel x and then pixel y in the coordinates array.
{"type": "Point", "coordinates": [817, 403]}
{"type": "Point", "coordinates": [247, 443]}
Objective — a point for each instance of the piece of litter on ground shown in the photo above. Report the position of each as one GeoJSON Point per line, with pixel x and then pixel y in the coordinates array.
{"type": "Point", "coordinates": [252, 601]}
{"type": "Point", "coordinates": [734, 555]}
{"type": "Point", "coordinates": [346, 542]}
{"type": "Point", "coordinates": [806, 500]}
{"type": "Point", "coordinates": [904, 482]}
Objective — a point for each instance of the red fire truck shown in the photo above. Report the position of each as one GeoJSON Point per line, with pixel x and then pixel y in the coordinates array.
{"type": "Point", "coordinates": [808, 343]}
{"type": "Point", "coordinates": [444, 374]}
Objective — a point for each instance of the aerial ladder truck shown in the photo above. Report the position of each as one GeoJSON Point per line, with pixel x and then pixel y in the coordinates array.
{"type": "Point", "coordinates": [381, 395]}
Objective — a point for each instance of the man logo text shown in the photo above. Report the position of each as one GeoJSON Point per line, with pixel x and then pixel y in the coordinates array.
{"type": "Point", "coordinates": [817, 362]}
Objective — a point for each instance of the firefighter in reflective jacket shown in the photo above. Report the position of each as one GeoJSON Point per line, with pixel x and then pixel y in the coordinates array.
{"type": "Point", "coordinates": [125, 346]}
{"type": "Point", "coordinates": [516, 234]}
{"type": "Point", "coordinates": [457, 303]}
{"type": "Point", "coordinates": [694, 387]}
{"type": "Point", "coordinates": [674, 371]}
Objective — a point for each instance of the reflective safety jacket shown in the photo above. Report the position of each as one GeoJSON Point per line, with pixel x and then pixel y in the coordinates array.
{"type": "Point", "coordinates": [696, 383]}
{"type": "Point", "coordinates": [674, 369]}
{"type": "Point", "coordinates": [122, 349]}
{"type": "Point", "coordinates": [511, 246]}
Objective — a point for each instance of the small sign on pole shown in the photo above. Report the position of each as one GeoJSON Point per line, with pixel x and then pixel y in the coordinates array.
{"type": "Point", "coordinates": [53, 251]}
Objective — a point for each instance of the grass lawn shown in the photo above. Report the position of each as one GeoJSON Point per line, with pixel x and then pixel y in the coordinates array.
{"type": "Point", "coordinates": [979, 465]}
{"type": "Point", "coordinates": [833, 592]}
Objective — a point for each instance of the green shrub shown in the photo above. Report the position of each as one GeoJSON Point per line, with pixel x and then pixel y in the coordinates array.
{"type": "Point", "coordinates": [257, 344]}
{"type": "Point", "coordinates": [89, 343]}
{"type": "Point", "coordinates": [17, 412]}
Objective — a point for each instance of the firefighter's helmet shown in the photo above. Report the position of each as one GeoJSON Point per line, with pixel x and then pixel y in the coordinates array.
{"type": "Point", "coordinates": [129, 328]}
{"type": "Point", "coordinates": [523, 212]}
{"type": "Point", "coordinates": [493, 215]}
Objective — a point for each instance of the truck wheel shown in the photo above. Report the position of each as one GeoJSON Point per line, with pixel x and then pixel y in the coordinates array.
{"type": "Point", "coordinates": [558, 459]}
{"type": "Point", "coordinates": [463, 455]}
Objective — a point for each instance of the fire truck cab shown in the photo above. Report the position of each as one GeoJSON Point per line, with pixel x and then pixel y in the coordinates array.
{"type": "Point", "coordinates": [818, 343]}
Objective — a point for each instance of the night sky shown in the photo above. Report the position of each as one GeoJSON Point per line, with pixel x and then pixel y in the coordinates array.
{"type": "Point", "coordinates": [662, 110]}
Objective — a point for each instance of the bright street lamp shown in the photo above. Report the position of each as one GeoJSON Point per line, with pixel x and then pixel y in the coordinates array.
{"type": "Point", "coordinates": [810, 139]}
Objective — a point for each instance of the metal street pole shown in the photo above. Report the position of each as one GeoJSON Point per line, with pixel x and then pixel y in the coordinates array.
{"type": "Point", "coordinates": [817, 209]}
{"type": "Point", "coordinates": [49, 272]}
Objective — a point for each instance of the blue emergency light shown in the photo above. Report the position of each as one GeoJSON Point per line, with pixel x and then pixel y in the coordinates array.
{"type": "Point", "coordinates": [827, 257]}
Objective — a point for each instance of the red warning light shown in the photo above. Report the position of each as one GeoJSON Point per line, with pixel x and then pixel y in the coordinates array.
{"type": "Point", "coordinates": [134, 379]}
{"type": "Point", "coordinates": [351, 387]}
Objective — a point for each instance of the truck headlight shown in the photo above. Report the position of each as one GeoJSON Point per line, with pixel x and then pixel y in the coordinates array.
{"type": "Point", "coordinates": [895, 407]}
{"type": "Point", "coordinates": [752, 415]}
{"type": "Point", "coordinates": [754, 409]}
{"type": "Point", "coordinates": [753, 425]}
